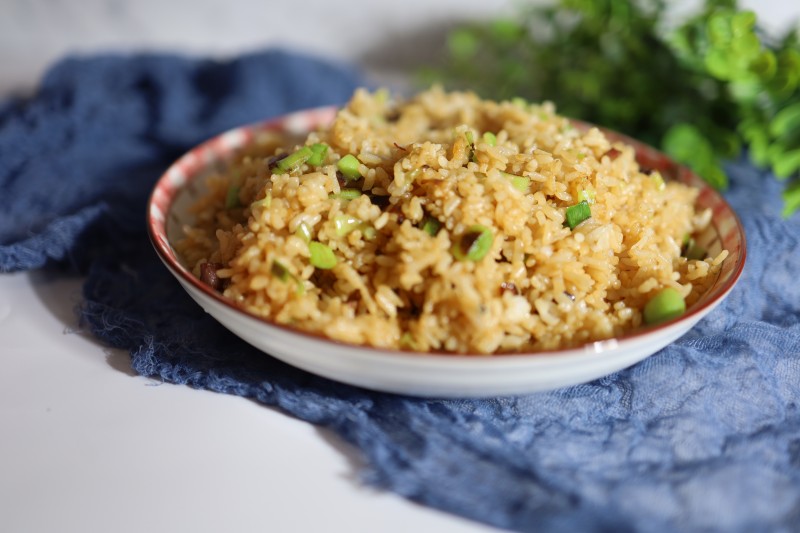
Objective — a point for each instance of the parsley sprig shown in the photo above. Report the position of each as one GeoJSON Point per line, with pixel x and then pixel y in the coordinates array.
{"type": "Point", "coordinates": [704, 90]}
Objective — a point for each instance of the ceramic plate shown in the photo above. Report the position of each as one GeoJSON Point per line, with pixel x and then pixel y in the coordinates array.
{"type": "Point", "coordinates": [441, 375]}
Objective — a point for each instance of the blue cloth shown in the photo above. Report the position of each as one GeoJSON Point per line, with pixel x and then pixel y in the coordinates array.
{"type": "Point", "coordinates": [703, 436]}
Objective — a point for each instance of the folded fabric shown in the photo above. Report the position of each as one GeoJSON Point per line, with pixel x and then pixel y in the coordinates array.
{"type": "Point", "coordinates": [704, 435]}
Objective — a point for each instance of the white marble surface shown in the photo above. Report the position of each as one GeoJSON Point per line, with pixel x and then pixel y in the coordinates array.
{"type": "Point", "coordinates": [85, 445]}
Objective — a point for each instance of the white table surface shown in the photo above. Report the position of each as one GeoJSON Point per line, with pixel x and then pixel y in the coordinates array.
{"type": "Point", "coordinates": [86, 445]}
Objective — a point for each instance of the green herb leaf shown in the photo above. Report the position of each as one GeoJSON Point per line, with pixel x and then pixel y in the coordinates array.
{"type": "Point", "coordinates": [703, 85]}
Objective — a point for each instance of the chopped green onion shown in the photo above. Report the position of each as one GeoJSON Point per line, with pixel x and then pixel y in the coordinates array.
{"type": "Point", "coordinates": [368, 231]}
{"type": "Point", "coordinates": [521, 183]}
{"type": "Point", "coordinates": [319, 150]}
{"type": "Point", "coordinates": [321, 255]}
{"type": "Point", "coordinates": [577, 213]}
{"type": "Point", "coordinates": [344, 224]}
{"type": "Point", "coordinates": [586, 195]}
{"type": "Point", "coordinates": [659, 179]}
{"type": "Point", "coordinates": [280, 271]}
{"type": "Point", "coordinates": [665, 305]}
{"type": "Point", "coordinates": [692, 250]}
{"type": "Point", "coordinates": [471, 142]}
{"type": "Point", "coordinates": [474, 244]}
{"type": "Point", "coordinates": [294, 160]}
{"type": "Point", "coordinates": [431, 225]}
{"type": "Point", "coordinates": [345, 194]}
{"type": "Point", "coordinates": [232, 198]}
{"type": "Point", "coordinates": [265, 202]}
{"type": "Point", "coordinates": [407, 341]}
{"type": "Point", "coordinates": [348, 166]}
{"type": "Point", "coordinates": [304, 232]}
{"type": "Point", "coordinates": [490, 138]}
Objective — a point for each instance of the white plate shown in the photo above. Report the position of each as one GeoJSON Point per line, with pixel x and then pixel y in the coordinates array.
{"type": "Point", "coordinates": [441, 375]}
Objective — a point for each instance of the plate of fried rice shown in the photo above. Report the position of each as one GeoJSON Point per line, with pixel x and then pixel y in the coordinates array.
{"type": "Point", "coordinates": [445, 245]}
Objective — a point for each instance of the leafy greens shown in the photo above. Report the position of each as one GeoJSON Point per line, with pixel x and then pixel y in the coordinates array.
{"type": "Point", "coordinates": [704, 90]}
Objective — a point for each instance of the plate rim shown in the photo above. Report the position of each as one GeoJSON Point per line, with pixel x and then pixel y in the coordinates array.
{"type": "Point", "coordinates": [220, 148]}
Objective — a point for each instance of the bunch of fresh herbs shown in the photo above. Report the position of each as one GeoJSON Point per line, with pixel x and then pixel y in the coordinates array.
{"type": "Point", "coordinates": [704, 89]}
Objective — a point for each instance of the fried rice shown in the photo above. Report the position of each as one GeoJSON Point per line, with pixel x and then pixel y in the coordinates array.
{"type": "Point", "coordinates": [449, 231]}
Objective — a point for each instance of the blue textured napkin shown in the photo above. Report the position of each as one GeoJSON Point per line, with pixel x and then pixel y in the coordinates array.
{"type": "Point", "coordinates": [703, 436]}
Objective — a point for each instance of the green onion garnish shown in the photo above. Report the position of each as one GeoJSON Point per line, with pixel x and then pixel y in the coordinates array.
{"type": "Point", "coordinates": [474, 244]}
{"type": "Point", "coordinates": [471, 142]}
{"type": "Point", "coordinates": [345, 224]}
{"type": "Point", "coordinates": [577, 213]}
{"type": "Point", "coordinates": [521, 183]}
{"type": "Point", "coordinates": [232, 197]}
{"type": "Point", "coordinates": [407, 341]}
{"type": "Point", "coordinates": [431, 225]}
{"type": "Point", "coordinates": [294, 160]}
{"type": "Point", "coordinates": [303, 231]}
{"type": "Point", "coordinates": [659, 179]}
{"type": "Point", "coordinates": [665, 305]}
{"type": "Point", "coordinates": [319, 150]}
{"type": "Point", "coordinates": [279, 270]}
{"type": "Point", "coordinates": [348, 166]}
{"type": "Point", "coordinates": [586, 195]}
{"type": "Point", "coordinates": [321, 255]}
{"type": "Point", "coordinates": [345, 194]}
{"type": "Point", "coordinates": [490, 138]}
{"type": "Point", "coordinates": [692, 250]}
{"type": "Point", "coordinates": [265, 202]}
